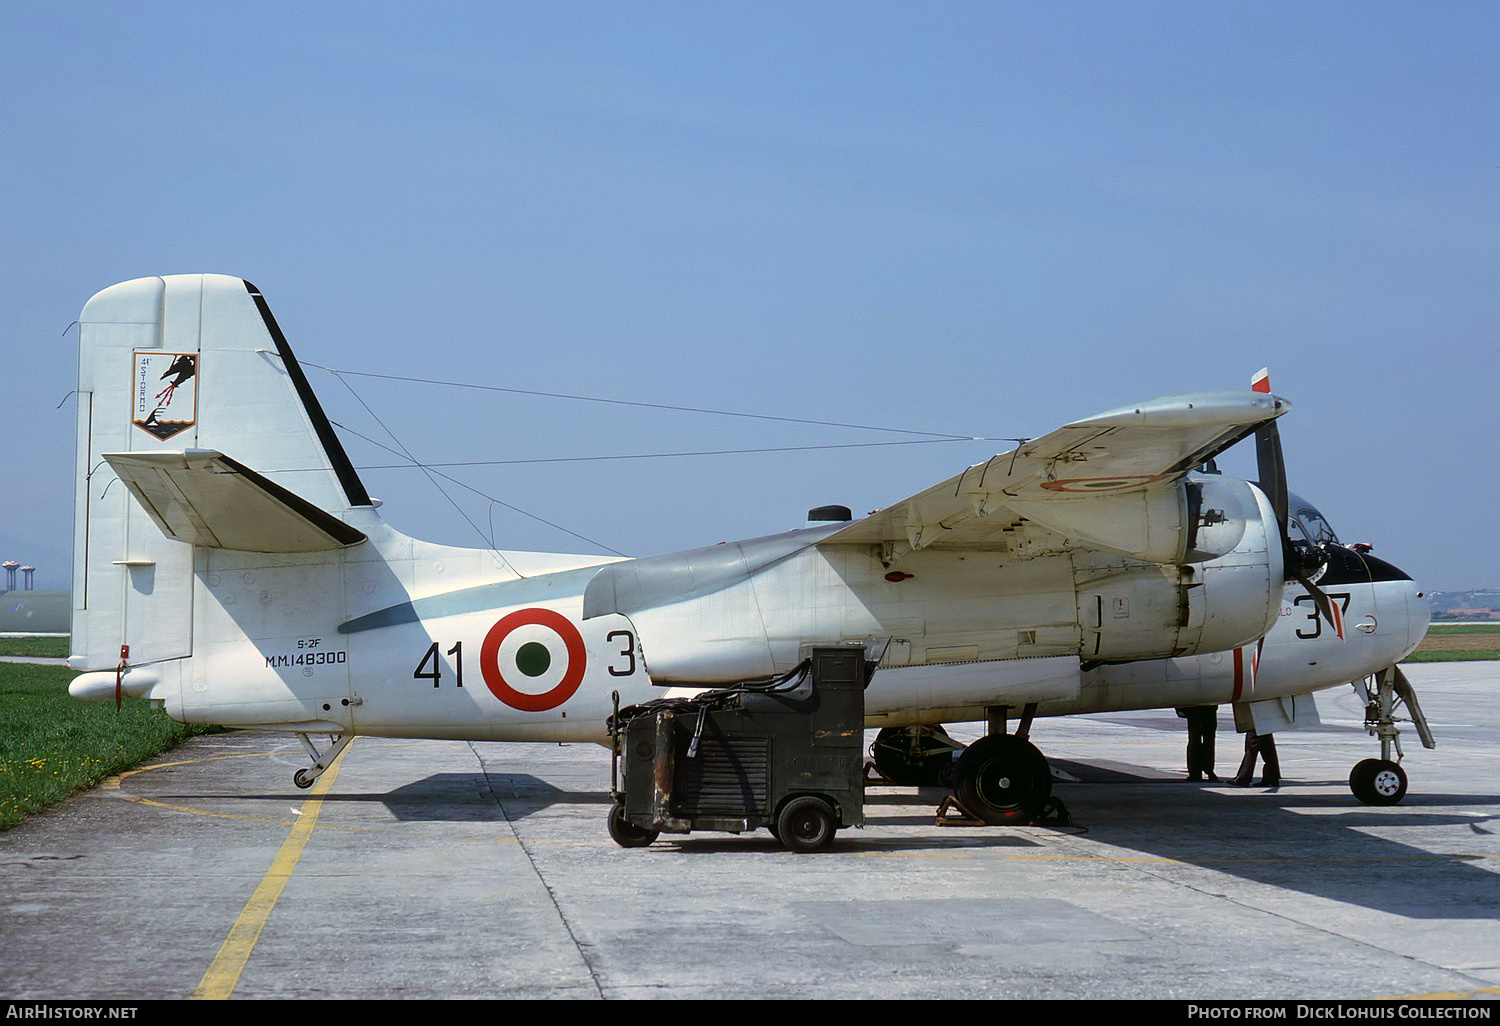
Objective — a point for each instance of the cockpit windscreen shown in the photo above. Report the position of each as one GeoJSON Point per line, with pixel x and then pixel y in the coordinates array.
{"type": "Point", "coordinates": [1305, 523]}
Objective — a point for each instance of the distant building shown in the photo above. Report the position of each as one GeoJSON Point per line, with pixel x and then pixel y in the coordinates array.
{"type": "Point", "coordinates": [1469, 614]}
{"type": "Point", "coordinates": [1483, 604]}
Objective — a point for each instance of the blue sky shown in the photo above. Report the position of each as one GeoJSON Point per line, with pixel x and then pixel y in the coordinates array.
{"type": "Point", "coordinates": [984, 219]}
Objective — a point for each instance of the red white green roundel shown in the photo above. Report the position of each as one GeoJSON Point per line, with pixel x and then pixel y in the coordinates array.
{"type": "Point", "coordinates": [533, 659]}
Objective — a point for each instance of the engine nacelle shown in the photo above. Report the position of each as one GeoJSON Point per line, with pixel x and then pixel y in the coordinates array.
{"type": "Point", "coordinates": [1130, 610]}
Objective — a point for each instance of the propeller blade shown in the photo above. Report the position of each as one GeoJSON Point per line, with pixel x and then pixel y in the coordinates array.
{"type": "Point", "coordinates": [1271, 465]}
{"type": "Point", "coordinates": [1272, 469]}
{"type": "Point", "coordinates": [1325, 605]}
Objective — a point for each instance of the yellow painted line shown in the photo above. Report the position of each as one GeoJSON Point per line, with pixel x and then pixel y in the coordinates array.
{"type": "Point", "coordinates": [113, 784]}
{"type": "Point", "coordinates": [224, 972]}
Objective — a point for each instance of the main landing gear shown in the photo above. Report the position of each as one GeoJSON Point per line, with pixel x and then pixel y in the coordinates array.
{"type": "Point", "coordinates": [1382, 781]}
{"type": "Point", "coordinates": [1001, 779]}
{"type": "Point", "coordinates": [919, 756]}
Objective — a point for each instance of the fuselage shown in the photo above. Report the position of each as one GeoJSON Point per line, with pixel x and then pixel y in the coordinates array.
{"type": "Point", "coordinates": [435, 641]}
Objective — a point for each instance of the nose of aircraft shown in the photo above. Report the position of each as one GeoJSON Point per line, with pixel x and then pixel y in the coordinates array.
{"type": "Point", "coordinates": [1400, 602]}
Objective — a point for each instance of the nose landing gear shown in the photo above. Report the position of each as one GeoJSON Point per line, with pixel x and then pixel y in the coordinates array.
{"type": "Point", "coordinates": [1382, 781]}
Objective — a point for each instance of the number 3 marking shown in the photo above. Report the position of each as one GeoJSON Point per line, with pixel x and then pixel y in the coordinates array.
{"type": "Point", "coordinates": [626, 652]}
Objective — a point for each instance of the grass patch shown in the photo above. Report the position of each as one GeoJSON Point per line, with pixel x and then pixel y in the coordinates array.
{"type": "Point", "coordinates": [52, 745]}
{"type": "Point", "coordinates": [1458, 642]}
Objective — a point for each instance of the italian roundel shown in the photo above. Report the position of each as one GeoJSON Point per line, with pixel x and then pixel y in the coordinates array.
{"type": "Point", "coordinates": [533, 659]}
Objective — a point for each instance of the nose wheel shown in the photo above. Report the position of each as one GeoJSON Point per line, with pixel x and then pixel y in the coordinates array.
{"type": "Point", "coordinates": [1378, 782]}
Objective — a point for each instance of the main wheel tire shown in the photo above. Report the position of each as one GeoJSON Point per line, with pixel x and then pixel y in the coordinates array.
{"type": "Point", "coordinates": [806, 824]}
{"type": "Point", "coordinates": [1002, 779]}
{"type": "Point", "coordinates": [625, 833]}
{"type": "Point", "coordinates": [304, 779]}
{"type": "Point", "coordinates": [1378, 782]}
{"type": "Point", "coordinates": [913, 756]}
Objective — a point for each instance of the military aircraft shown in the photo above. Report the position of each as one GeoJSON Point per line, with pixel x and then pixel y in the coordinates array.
{"type": "Point", "coordinates": [230, 565]}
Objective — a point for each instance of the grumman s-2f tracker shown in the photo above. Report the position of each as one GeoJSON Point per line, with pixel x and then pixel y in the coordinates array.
{"type": "Point", "coordinates": [230, 565]}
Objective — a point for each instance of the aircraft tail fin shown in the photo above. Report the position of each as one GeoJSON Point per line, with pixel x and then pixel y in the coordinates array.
{"type": "Point", "coordinates": [170, 367]}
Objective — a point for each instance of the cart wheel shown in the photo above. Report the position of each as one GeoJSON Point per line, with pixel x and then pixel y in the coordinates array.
{"type": "Point", "coordinates": [625, 833]}
{"type": "Point", "coordinates": [806, 824]}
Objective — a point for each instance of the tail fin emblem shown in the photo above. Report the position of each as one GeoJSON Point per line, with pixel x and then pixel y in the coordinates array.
{"type": "Point", "coordinates": [165, 391]}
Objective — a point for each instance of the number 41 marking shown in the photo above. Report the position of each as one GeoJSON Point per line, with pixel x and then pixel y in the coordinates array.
{"type": "Point", "coordinates": [436, 673]}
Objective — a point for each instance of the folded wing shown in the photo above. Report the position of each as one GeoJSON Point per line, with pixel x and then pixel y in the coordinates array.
{"type": "Point", "coordinates": [1115, 482]}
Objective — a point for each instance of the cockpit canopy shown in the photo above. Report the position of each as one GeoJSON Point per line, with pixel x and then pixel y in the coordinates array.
{"type": "Point", "coordinates": [1306, 524]}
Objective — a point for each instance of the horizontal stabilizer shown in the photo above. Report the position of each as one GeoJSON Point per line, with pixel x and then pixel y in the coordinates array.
{"type": "Point", "coordinates": [203, 497]}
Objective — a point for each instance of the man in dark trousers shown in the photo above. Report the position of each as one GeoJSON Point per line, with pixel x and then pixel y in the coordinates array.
{"type": "Point", "coordinates": [1263, 745]}
{"type": "Point", "coordinates": [1202, 724]}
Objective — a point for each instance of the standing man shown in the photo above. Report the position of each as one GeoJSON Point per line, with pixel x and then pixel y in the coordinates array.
{"type": "Point", "coordinates": [1202, 724]}
{"type": "Point", "coordinates": [1263, 745]}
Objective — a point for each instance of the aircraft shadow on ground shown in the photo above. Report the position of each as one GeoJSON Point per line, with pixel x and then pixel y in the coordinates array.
{"type": "Point", "coordinates": [444, 798]}
{"type": "Point", "coordinates": [472, 796]}
{"type": "Point", "coordinates": [1319, 844]}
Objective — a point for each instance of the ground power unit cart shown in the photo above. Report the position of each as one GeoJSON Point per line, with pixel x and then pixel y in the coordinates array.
{"type": "Point", "coordinates": [786, 754]}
